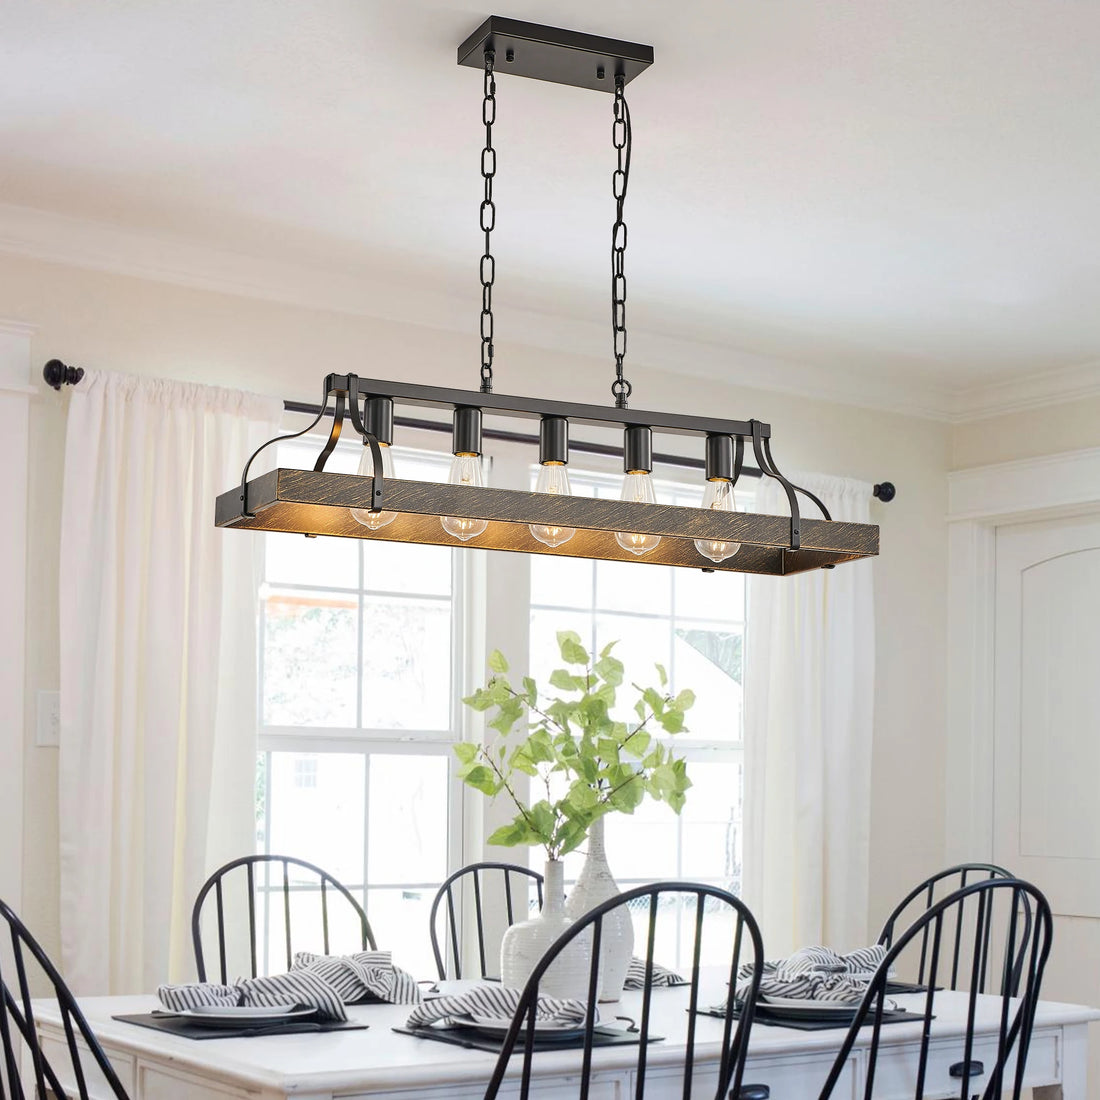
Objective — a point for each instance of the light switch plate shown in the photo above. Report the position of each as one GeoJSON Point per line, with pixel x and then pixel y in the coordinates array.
{"type": "Point", "coordinates": [48, 724]}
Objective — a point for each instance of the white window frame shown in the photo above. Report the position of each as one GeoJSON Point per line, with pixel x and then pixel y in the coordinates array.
{"type": "Point", "coordinates": [492, 610]}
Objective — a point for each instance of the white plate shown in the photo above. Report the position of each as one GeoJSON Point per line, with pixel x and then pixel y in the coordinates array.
{"type": "Point", "coordinates": [807, 1003]}
{"type": "Point", "coordinates": [499, 1028]}
{"type": "Point", "coordinates": [238, 1015]}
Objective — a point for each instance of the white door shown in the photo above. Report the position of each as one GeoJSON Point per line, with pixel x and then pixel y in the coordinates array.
{"type": "Point", "coordinates": [1047, 710]}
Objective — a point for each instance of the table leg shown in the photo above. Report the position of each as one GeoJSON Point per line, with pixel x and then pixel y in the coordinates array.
{"type": "Point", "coordinates": [1075, 1060]}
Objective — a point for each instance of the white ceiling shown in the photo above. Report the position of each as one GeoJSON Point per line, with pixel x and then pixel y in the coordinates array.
{"type": "Point", "coordinates": [899, 195]}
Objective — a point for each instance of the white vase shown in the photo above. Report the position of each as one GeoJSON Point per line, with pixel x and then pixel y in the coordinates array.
{"type": "Point", "coordinates": [524, 945]}
{"type": "Point", "coordinates": [595, 886]}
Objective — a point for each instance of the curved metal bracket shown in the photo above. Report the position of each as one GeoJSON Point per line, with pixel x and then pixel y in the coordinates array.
{"type": "Point", "coordinates": [738, 457]}
{"type": "Point", "coordinates": [797, 488]}
{"type": "Point", "coordinates": [334, 433]}
{"type": "Point", "coordinates": [277, 439]}
{"type": "Point", "coordinates": [348, 399]}
{"type": "Point", "coordinates": [767, 467]}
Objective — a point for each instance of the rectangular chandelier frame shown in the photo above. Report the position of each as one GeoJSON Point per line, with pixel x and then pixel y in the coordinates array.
{"type": "Point", "coordinates": [316, 502]}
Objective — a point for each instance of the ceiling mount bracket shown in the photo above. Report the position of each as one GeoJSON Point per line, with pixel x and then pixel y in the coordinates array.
{"type": "Point", "coordinates": [549, 53]}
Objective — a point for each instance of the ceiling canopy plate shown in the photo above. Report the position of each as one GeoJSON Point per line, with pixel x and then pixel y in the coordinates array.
{"type": "Point", "coordinates": [549, 53]}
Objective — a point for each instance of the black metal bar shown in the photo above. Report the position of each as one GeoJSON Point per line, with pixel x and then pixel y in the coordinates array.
{"type": "Point", "coordinates": [221, 938]}
{"type": "Point", "coordinates": [74, 1052]}
{"type": "Point", "coordinates": [480, 920]}
{"type": "Point", "coordinates": [455, 949]}
{"type": "Point", "coordinates": [324, 913]}
{"type": "Point", "coordinates": [590, 1012]}
{"type": "Point", "coordinates": [929, 1001]}
{"type": "Point", "coordinates": [251, 917]}
{"type": "Point", "coordinates": [976, 968]}
{"type": "Point", "coordinates": [693, 998]}
{"type": "Point", "coordinates": [28, 1011]}
{"type": "Point", "coordinates": [885, 491]}
{"type": "Point", "coordinates": [647, 996]}
{"type": "Point", "coordinates": [605, 450]}
{"type": "Point", "coordinates": [286, 911]}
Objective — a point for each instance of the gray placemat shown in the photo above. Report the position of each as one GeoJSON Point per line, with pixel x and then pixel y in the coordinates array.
{"type": "Point", "coordinates": [176, 1025]}
{"type": "Point", "coordinates": [465, 1037]}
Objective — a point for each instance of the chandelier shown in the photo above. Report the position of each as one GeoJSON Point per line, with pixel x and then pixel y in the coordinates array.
{"type": "Point", "coordinates": [374, 504]}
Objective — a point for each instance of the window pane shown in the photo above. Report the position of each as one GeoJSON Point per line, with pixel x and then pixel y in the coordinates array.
{"type": "Point", "coordinates": [545, 654]}
{"type": "Point", "coordinates": [406, 663]}
{"type": "Point", "coordinates": [407, 822]}
{"type": "Point", "coordinates": [399, 918]}
{"type": "Point", "coordinates": [294, 559]}
{"type": "Point", "coordinates": [317, 810]}
{"type": "Point", "coordinates": [711, 824]}
{"type": "Point", "coordinates": [309, 658]}
{"type": "Point", "coordinates": [627, 586]}
{"type": "Point", "coordinates": [406, 567]}
{"type": "Point", "coordinates": [307, 924]}
{"type": "Point", "coordinates": [707, 658]}
{"type": "Point", "coordinates": [642, 643]}
{"type": "Point", "coordinates": [642, 846]}
{"type": "Point", "coordinates": [702, 595]}
{"type": "Point", "coordinates": [561, 582]}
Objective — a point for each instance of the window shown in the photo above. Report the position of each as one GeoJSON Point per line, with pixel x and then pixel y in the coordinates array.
{"type": "Point", "coordinates": [693, 623]}
{"type": "Point", "coordinates": [362, 651]}
{"type": "Point", "coordinates": [358, 714]}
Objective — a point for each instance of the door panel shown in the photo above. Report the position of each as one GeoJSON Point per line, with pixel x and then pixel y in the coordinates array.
{"type": "Point", "coordinates": [1047, 708]}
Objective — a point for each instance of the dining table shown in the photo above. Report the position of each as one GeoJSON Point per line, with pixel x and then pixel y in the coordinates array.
{"type": "Point", "coordinates": [382, 1063]}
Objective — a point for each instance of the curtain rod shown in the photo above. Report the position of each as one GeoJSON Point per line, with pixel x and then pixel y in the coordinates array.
{"type": "Point", "coordinates": [58, 374]}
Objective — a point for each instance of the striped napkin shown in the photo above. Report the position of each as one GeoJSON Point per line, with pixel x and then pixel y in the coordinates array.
{"type": "Point", "coordinates": [359, 976]}
{"type": "Point", "coordinates": [299, 987]}
{"type": "Point", "coordinates": [635, 975]}
{"type": "Point", "coordinates": [496, 1002]}
{"type": "Point", "coordinates": [817, 974]}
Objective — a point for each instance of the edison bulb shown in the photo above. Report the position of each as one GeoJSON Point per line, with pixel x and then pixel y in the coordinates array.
{"type": "Point", "coordinates": [374, 520]}
{"type": "Point", "coordinates": [465, 470]}
{"type": "Point", "coordinates": [553, 479]}
{"type": "Point", "coordinates": [637, 489]}
{"type": "Point", "coordinates": [718, 497]}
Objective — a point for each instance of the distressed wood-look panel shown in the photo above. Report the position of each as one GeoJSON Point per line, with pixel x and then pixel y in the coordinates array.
{"type": "Point", "coordinates": [310, 503]}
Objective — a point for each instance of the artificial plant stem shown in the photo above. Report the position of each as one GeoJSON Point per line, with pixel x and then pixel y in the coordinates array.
{"type": "Point", "coordinates": [508, 787]}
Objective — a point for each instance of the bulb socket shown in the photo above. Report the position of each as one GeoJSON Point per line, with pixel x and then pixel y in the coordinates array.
{"type": "Point", "coordinates": [637, 450]}
{"type": "Point", "coordinates": [719, 458]}
{"type": "Point", "coordinates": [554, 441]}
{"type": "Point", "coordinates": [467, 431]}
{"type": "Point", "coordinates": [378, 419]}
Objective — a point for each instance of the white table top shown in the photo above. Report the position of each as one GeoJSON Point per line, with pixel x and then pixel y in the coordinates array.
{"type": "Point", "coordinates": [380, 1059]}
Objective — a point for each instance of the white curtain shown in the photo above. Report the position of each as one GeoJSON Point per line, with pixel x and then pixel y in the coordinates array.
{"type": "Point", "coordinates": [158, 699]}
{"type": "Point", "coordinates": [809, 684]}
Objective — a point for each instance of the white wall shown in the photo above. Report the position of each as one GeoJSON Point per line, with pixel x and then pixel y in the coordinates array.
{"type": "Point", "coordinates": [115, 322]}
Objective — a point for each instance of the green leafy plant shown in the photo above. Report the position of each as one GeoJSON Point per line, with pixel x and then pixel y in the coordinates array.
{"type": "Point", "coordinates": [588, 763]}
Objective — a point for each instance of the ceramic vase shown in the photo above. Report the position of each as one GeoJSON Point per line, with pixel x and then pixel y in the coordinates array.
{"type": "Point", "coordinates": [594, 886]}
{"type": "Point", "coordinates": [524, 945]}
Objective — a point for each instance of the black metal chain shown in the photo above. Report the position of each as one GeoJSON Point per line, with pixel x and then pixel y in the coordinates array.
{"type": "Point", "coordinates": [488, 269]}
{"type": "Point", "coordinates": [620, 138]}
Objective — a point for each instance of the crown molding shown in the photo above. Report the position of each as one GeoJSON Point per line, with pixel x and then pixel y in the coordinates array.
{"type": "Point", "coordinates": [79, 242]}
{"type": "Point", "coordinates": [1032, 391]}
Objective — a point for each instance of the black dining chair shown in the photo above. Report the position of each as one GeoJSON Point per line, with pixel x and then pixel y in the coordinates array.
{"type": "Point", "coordinates": [67, 1074]}
{"type": "Point", "coordinates": [497, 889]}
{"type": "Point", "coordinates": [1012, 1013]}
{"type": "Point", "coordinates": [733, 939]}
{"type": "Point", "coordinates": [962, 932]}
{"type": "Point", "coordinates": [273, 888]}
